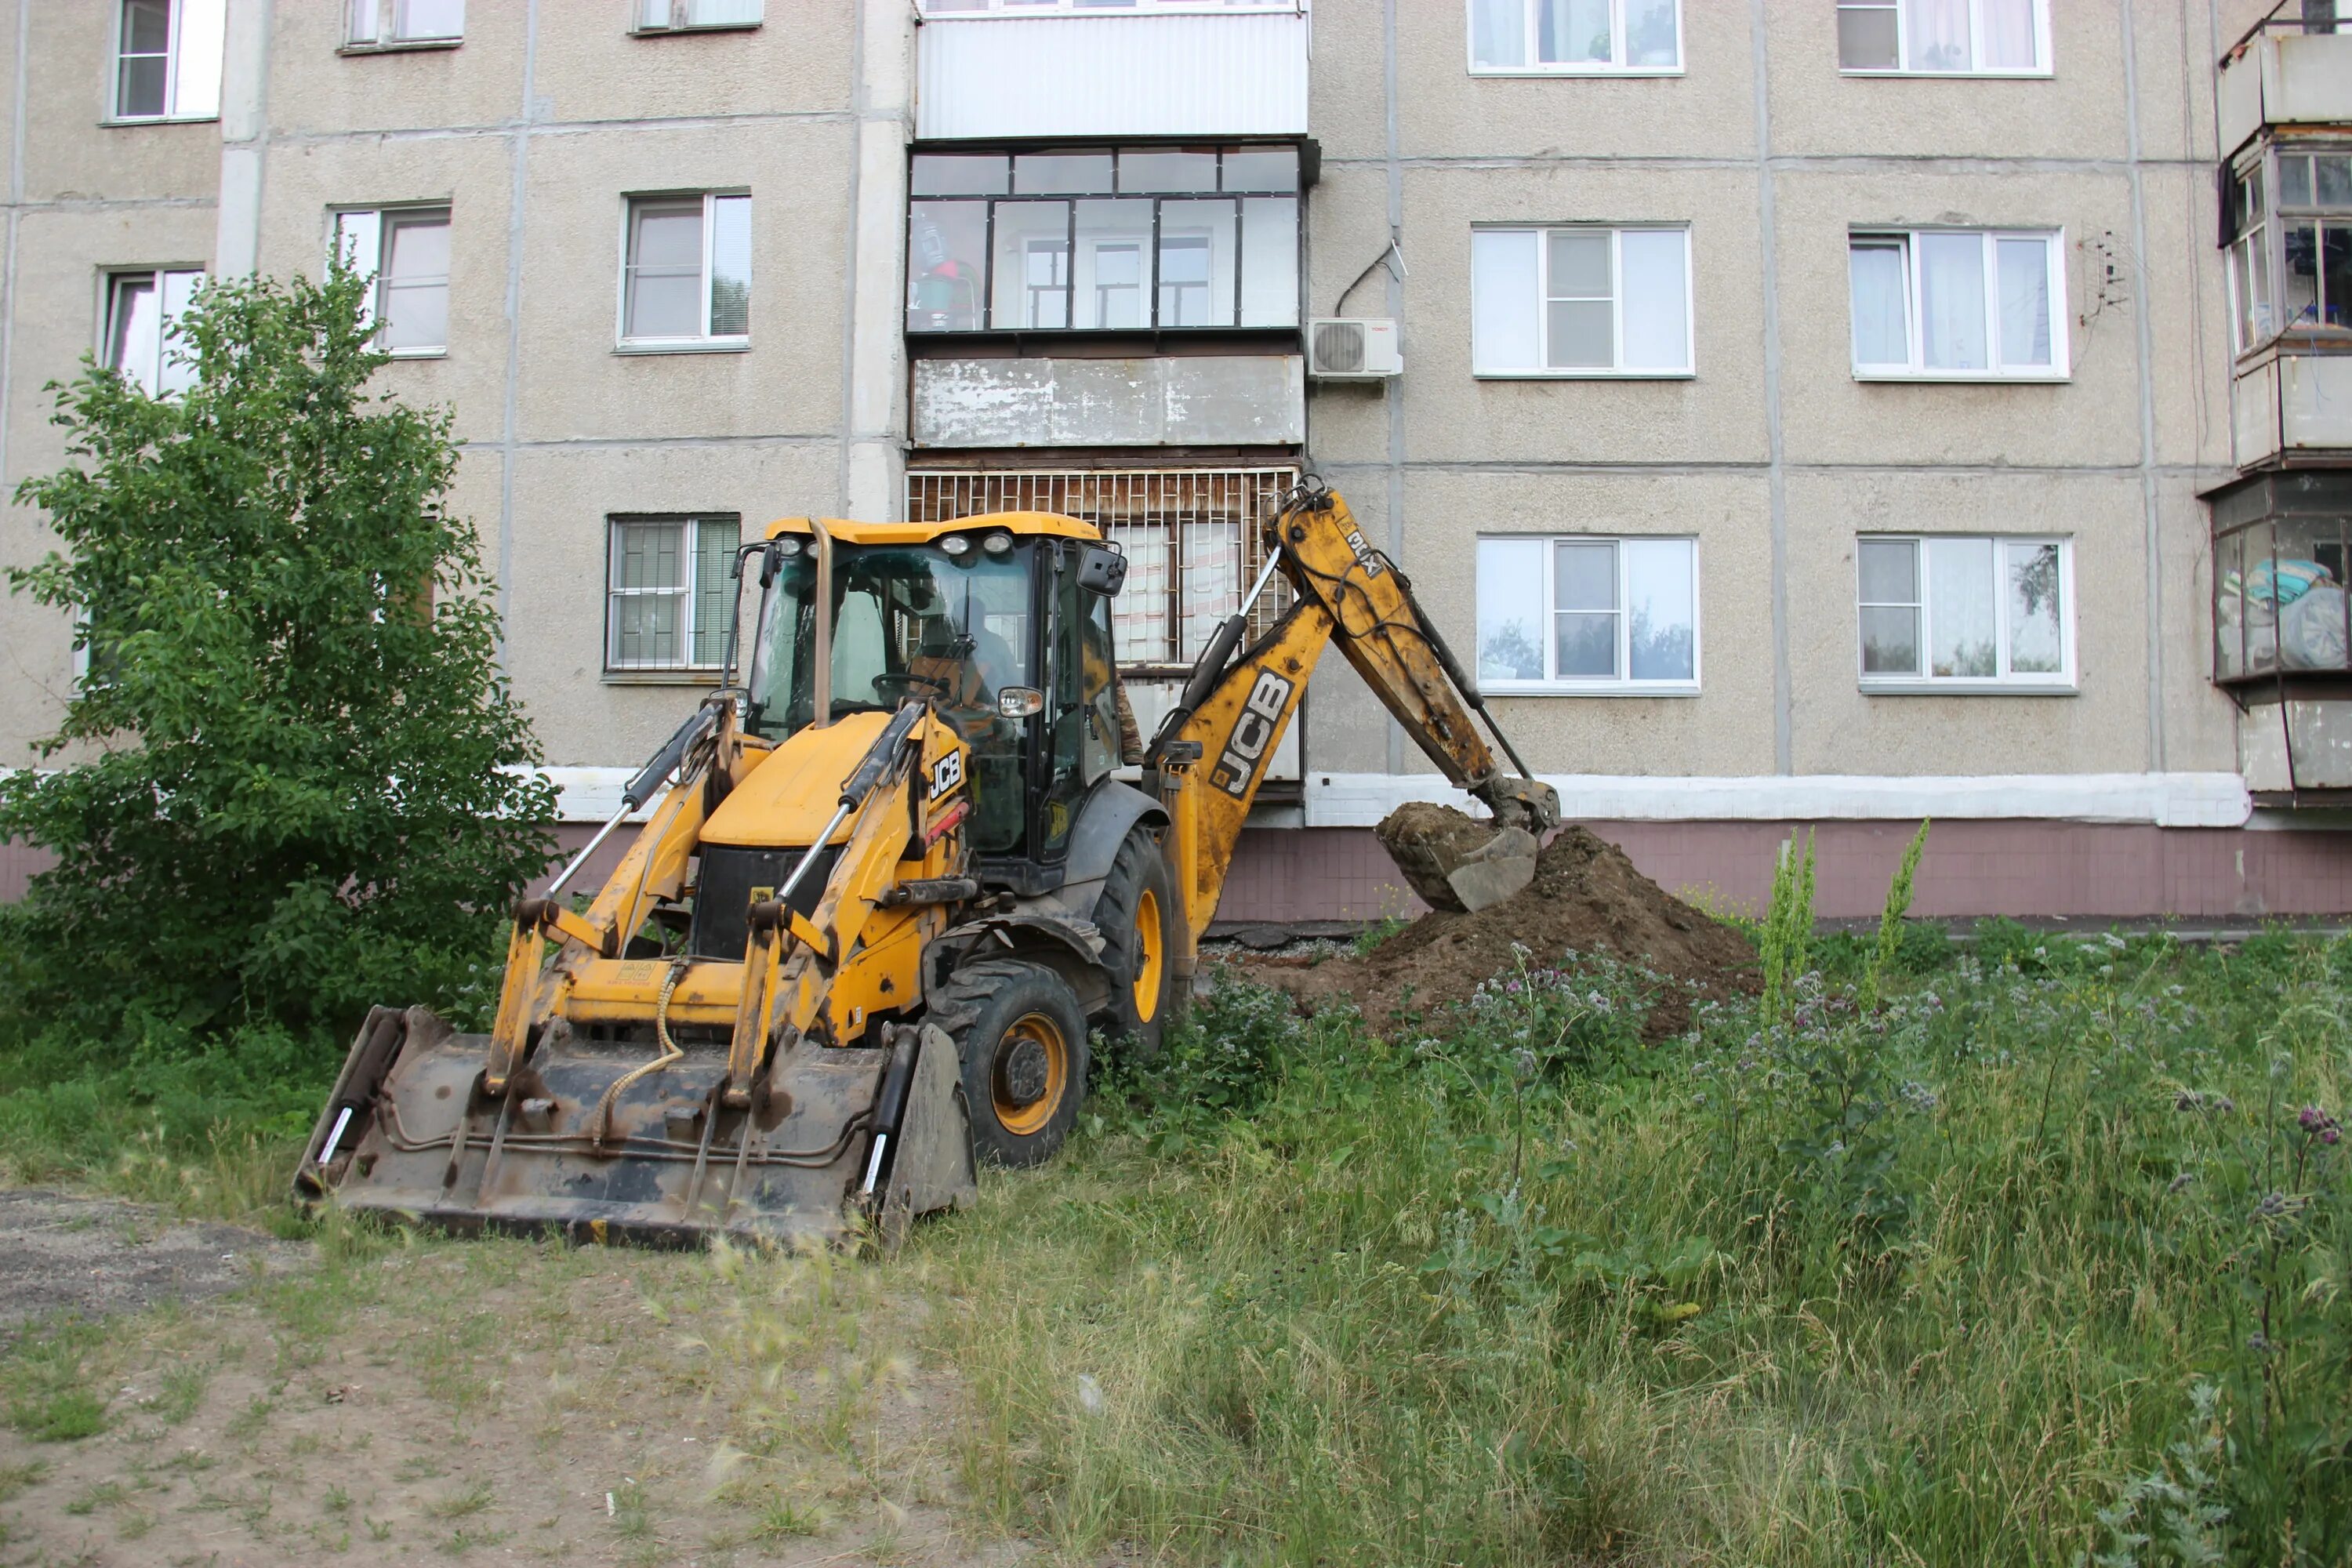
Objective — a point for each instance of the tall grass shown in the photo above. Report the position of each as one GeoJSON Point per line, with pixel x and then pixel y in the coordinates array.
{"type": "Point", "coordinates": [2041, 1257]}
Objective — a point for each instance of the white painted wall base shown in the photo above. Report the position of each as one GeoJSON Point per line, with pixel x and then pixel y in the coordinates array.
{"type": "Point", "coordinates": [1361, 800]}
{"type": "Point", "coordinates": [2169, 800]}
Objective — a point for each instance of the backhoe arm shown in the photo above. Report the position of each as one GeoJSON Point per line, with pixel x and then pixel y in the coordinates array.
{"type": "Point", "coordinates": [1235, 710]}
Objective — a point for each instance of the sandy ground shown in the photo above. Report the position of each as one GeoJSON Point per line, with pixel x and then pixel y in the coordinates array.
{"type": "Point", "coordinates": [373, 1398]}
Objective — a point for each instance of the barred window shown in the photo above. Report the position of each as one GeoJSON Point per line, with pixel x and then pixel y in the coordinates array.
{"type": "Point", "coordinates": [668, 603]}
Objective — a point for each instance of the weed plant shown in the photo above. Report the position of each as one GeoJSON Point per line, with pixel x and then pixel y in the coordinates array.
{"type": "Point", "coordinates": [2034, 1254]}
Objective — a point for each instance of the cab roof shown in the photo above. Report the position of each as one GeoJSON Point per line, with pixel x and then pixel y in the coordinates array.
{"type": "Point", "coordinates": [1026, 523]}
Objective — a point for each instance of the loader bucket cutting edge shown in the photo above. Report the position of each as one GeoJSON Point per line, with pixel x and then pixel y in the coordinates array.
{"type": "Point", "coordinates": [674, 1167]}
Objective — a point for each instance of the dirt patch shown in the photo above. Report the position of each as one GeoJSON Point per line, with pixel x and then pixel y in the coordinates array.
{"type": "Point", "coordinates": [91, 1257]}
{"type": "Point", "coordinates": [1586, 895]}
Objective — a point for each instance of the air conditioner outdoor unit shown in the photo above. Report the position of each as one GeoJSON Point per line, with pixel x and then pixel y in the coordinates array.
{"type": "Point", "coordinates": [1343, 349]}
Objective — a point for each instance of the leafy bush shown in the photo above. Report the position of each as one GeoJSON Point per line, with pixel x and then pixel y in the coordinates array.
{"type": "Point", "coordinates": [289, 784]}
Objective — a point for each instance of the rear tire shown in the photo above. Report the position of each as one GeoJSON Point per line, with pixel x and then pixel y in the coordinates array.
{"type": "Point", "coordinates": [1136, 914]}
{"type": "Point", "coordinates": [1022, 1041]}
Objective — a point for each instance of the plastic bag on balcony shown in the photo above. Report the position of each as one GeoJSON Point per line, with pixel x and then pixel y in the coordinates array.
{"type": "Point", "coordinates": [2312, 633]}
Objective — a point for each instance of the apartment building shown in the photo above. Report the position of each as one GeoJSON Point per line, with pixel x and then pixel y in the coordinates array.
{"type": "Point", "coordinates": [1825, 414]}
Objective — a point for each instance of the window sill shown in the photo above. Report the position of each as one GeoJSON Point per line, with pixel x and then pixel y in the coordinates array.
{"type": "Point", "coordinates": [418, 353]}
{"type": "Point", "coordinates": [399, 46]}
{"type": "Point", "coordinates": [1966, 377]}
{"type": "Point", "coordinates": [1950, 688]}
{"type": "Point", "coordinates": [1584, 375]}
{"type": "Point", "coordinates": [1870, 71]}
{"type": "Point", "coordinates": [705, 28]}
{"type": "Point", "coordinates": [1614, 689]}
{"type": "Point", "coordinates": [697, 677]}
{"type": "Point", "coordinates": [119, 121]}
{"type": "Point", "coordinates": [683, 346]}
{"type": "Point", "coordinates": [1584, 73]}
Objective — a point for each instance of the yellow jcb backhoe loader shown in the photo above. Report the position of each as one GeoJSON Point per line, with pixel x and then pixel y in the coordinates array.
{"type": "Point", "coordinates": [888, 884]}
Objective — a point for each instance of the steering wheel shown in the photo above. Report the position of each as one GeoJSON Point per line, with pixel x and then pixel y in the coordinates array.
{"type": "Point", "coordinates": [904, 682]}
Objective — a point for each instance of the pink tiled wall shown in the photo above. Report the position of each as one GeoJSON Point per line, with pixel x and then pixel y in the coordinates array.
{"type": "Point", "coordinates": [1969, 868]}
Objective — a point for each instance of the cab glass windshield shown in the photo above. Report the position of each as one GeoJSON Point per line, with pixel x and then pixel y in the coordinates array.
{"type": "Point", "coordinates": [909, 621]}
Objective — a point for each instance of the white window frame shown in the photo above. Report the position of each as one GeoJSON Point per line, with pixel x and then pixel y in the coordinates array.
{"type": "Point", "coordinates": [373, 26]}
{"type": "Point", "coordinates": [172, 114]}
{"type": "Point", "coordinates": [2041, 71]}
{"type": "Point", "coordinates": [1590, 686]}
{"type": "Point", "coordinates": [1620, 371]}
{"type": "Point", "coordinates": [674, 9]}
{"type": "Point", "coordinates": [705, 342]}
{"type": "Point", "coordinates": [109, 283]}
{"type": "Point", "coordinates": [615, 669]}
{"type": "Point", "coordinates": [2062, 321]}
{"type": "Point", "coordinates": [386, 219]}
{"type": "Point", "coordinates": [2041, 683]}
{"type": "Point", "coordinates": [985, 10]}
{"type": "Point", "coordinates": [1571, 67]}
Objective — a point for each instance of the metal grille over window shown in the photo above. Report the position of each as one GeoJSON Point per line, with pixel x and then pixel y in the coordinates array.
{"type": "Point", "coordinates": [668, 597]}
{"type": "Point", "coordinates": [1193, 540]}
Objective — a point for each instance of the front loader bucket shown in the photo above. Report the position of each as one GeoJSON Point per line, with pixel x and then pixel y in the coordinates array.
{"type": "Point", "coordinates": [410, 1132]}
{"type": "Point", "coordinates": [1456, 861]}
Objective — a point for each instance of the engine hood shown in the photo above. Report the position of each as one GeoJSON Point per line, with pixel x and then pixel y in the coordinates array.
{"type": "Point", "coordinates": [791, 793]}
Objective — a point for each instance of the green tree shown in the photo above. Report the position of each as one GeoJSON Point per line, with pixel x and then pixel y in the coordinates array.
{"type": "Point", "coordinates": [291, 783]}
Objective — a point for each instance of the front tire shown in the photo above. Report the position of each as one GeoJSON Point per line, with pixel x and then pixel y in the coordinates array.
{"type": "Point", "coordinates": [1022, 1041]}
{"type": "Point", "coordinates": [1136, 914]}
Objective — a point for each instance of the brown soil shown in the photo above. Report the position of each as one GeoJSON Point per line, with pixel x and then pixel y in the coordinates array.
{"type": "Point", "coordinates": [1586, 895]}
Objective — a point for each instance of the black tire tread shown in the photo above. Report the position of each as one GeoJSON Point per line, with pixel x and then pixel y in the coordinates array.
{"type": "Point", "coordinates": [959, 1005]}
{"type": "Point", "coordinates": [1132, 870]}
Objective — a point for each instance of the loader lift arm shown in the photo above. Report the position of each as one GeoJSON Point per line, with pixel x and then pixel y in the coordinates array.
{"type": "Point", "coordinates": [1210, 753]}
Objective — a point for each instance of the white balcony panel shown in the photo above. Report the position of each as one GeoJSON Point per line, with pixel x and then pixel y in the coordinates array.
{"type": "Point", "coordinates": [1139, 75]}
{"type": "Point", "coordinates": [1215, 400]}
{"type": "Point", "coordinates": [2294, 404]}
{"type": "Point", "coordinates": [2287, 78]}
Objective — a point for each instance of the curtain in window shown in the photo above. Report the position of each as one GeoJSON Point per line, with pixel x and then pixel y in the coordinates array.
{"type": "Point", "coordinates": [1572, 32]}
{"type": "Point", "coordinates": [416, 288]}
{"type": "Point", "coordinates": [714, 595]}
{"type": "Point", "coordinates": [1655, 308]}
{"type": "Point", "coordinates": [1141, 626]}
{"type": "Point", "coordinates": [2024, 302]}
{"type": "Point", "coordinates": [1650, 33]}
{"type": "Point", "coordinates": [2009, 40]}
{"type": "Point", "coordinates": [1960, 608]}
{"type": "Point", "coordinates": [1510, 609]}
{"type": "Point", "coordinates": [1938, 33]}
{"type": "Point", "coordinates": [1881, 326]}
{"type": "Point", "coordinates": [1952, 301]}
{"type": "Point", "coordinates": [1504, 298]}
{"type": "Point", "coordinates": [1498, 34]}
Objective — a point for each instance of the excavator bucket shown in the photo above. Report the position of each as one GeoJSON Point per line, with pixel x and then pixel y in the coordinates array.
{"type": "Point", "coordinates": [586, 1140]}
{"type": "Point", "coordinates": [1454, 861]}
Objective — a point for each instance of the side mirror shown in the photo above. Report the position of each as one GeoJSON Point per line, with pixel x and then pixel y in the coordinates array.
{"type": "Point", "coordinates": [771, 561]}
{"type": "Point", "coordinates": [1102, 569]}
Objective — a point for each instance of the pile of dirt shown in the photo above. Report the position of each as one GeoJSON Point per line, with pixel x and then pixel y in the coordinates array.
{"type": "Point", "coordinates": [1586, 895]}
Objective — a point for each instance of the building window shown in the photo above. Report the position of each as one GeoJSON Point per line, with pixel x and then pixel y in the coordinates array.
{"type": "Point", "coordinates": [1579, 613]}
{"type": "Point", "coordinates": [1579, 301]}
{"type": "Point", "coordinates": [1965, 304]}
{"type": "Point", "coordinates": [1097, 7]}
{"type": "Point", "coordinates": [167, 58]}
{"type": "Point", "coordinates": [143, 319]}
{"type": "Point", "coordinates": [687, 279]}
{"type": "Point", "coordinates": [669, 600]}
{"type": "Point", "coordinates": [2290, 221]}
{"type": "Point", "coordinates": [685, 16]}
{"type": "Point", "coordinates": [406, 252]}
{"type": "Point", "coordinates": [1944, 38]}
{"type": "Point", "coordinates": [1575, 37]}
{"type": "Point", "coordinates": [1965, 611]}
{"type": "Point", "coordinates": [1103, 240]}
{"type": "Point", "coordinates": [390, 24]}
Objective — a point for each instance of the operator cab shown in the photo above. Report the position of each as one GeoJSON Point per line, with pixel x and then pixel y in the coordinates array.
{"type": "Point", "coordinates": [1001, 622]}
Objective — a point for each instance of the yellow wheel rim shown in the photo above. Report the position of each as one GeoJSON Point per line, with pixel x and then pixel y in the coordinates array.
{"type": "Point", "coordinates": [1017, 1069]}
{"type": "Point", "coordinates": [1150, 953]}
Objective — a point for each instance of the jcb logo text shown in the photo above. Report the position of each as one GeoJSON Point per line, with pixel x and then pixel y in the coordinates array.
{"type": "Point", "coordinates": [1269, 700]}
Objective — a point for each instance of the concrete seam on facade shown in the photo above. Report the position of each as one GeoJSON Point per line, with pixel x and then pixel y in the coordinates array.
{"type": "Point", "coordinates": [115, 203]}
{"type": "Point", "coordinates": [1394, 293]}
{"type": "Point", "coordinates": [1777, 471]}
{"type": "Point", "coordinates": [519, 156]}
{"type": "Point", "coordinates": [565, 127]}
{"type": "Point", "coordinates": [15, 205]}
{"type": "Point", "coordinates": [2197, 471]}
{"type": "Point", "coordinates": [630, 443]}
{"type": "Point", "coordinates": [2143, 335]}
{"type": "Point", "coordinates": [1793, 162]}
{"type": "Point", "coordinates": [849, 281]}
